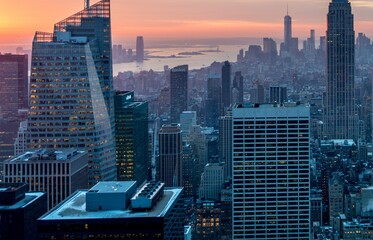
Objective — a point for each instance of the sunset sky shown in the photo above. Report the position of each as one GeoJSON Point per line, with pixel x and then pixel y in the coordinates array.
{"type": "Point", "coordinates": [177, 19]}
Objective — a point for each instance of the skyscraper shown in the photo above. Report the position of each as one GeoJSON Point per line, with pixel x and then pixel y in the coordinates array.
{"type": "Point", "coordinates": [287, 32]}
{"type": "Point", "coordinates": [225, 86]}
{"type": "Point", "coordinates": [225, 143]}
{"type": "Point", "coordinates": [13, 85]}
{"type": "Point", "coordinates": [213, 101]}
{"type": "Point", "coordinates": [340, 93]}
{"type": "Point", "coordinates": [13, 97]}
{"type": "Point", "coordinates": [169, 167]}
{"type": "Point", "coordinates": [278, 94]}
{"type": "Point", "coordinates": [71, 92]}
{"type": "Point", "coordinates": [271, 176]}
{"type": "Point", "coordinates": [237, 90]}
{"type": "Point", "coordinates": [131, 138]}
{"type": "Point", "coordinates": [179, 92]}
{"type": "Point", "coordinates": [139, 49]}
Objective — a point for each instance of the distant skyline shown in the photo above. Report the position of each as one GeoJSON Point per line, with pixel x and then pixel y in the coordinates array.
{"type": "Point", "coordinates": [174, 20]}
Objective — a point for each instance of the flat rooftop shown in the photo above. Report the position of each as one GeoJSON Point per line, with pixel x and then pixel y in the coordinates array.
{"type": "Point", "coordinates": [29, 198]}
{"type": "Point", "coordinates": [48, 155]}
{"type": "Point", "coordinates": [74, 207]}
{"type": "Point", "coordinates": [112, 187]}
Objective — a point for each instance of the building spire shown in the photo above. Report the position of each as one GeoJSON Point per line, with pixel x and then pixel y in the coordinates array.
{"type": "Point", "coordinates": [287, 9]}
{"type": "Point", "coordinates": [86, 4]}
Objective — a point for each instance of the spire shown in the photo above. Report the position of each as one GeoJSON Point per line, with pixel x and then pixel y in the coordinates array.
{"type": "Point", "coordinates": [287, 9]}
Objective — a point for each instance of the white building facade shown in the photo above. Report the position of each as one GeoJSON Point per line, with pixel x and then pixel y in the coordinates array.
{"type": "Point", "coordinates": [271, 186]}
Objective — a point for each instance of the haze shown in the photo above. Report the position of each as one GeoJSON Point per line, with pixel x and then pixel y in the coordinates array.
{"type": "Point", "coordinates": [180, 19]}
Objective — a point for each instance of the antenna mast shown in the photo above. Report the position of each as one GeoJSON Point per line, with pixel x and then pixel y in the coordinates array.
{"type": "Point", "coordinates": [86, 4]}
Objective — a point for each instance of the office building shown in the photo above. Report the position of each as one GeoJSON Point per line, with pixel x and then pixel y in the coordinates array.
{"type": "Point", "coordinates": [339, 116]}
{"type": "Point", "coordinates": [169, 166]}
{"type": "Point", "coordinates": [20, 144]}
{"type": "Point", "coordinates": [187, 119]}
{"type": "Point", "coordinates": [225, 144]}
{"type": "Point", "coordinates": [140, 49]}
{"type": "Point", "coordinates": [189, 171]}
{"type": "Point", "coordinates": [225, 86]}
{"type": "Point", "coordinates": [13, 97]}
{"type": "Point", "coordinates": [59, 173]}
{"type": "Point", "coordinates": [336, 195]}
{"type": "Point", "coordinates": [131, 138]}
{"type": "Point", "coordinates": [213, 101]}
{"type": "Point", "coordinates": [103, 212]}
{"type": "Point", "coordinates": [179, 92]}
{"type": "Point", "coordinates": [14, 85]}
{"type": "Point", "coordinates": [74, 106]}
{"type": "Point", "coordinates": [269, 50]}
{"type": "Point", "coordinates": [271, 176]}
{"type": "Point", "coordinates": [19, 210]}
{"type": "Point", "coordinates": [278, 95]}
{"type": "Point", "coordinates": [209, 216]}
{"type": "Point", "coordinates": [237, 90]}
{"type": "Point", "coordinates": [212, 180]}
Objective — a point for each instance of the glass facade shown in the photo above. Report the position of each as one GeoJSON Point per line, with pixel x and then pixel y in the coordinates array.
{"type": "Point", "coordinates": [71, 96]}
{"type": "Point", "coordinates": [131, 138]}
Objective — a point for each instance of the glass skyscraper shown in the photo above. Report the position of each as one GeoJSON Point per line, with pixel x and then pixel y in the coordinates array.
{"type": "Point", "coordinates": [340, 95]}
{"type": "Point", "coordinates": [71, 90]}
{"type": "Point", "coordinates": [179, 92]}
{"type": "Point", "coordinates": [131, 138]}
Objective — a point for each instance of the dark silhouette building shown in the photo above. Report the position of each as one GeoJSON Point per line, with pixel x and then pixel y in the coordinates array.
{"type": "Point", "coordinates": [179, 92]}
{"type": "Point", "coordinates": [169, 166]}
{"type": "Point", "coordinates": [139, 49]}
{"type": "Point", "coordinates": [19, 210]}
{"type": "Point", "coordinates": [226, 86]}
{"type": "Point", "coordinates": [340, 120]}
{"type": "Point", "coordinates": [13, 97]}
{"type": "Point", "coordinates": [13, 85]}
{"type": "Point", "coordinates": [278, 95]}
{"type": "Point", "coordinates": [131, 138]}
{"type": "Point", "coordinates": [237, 90]}
{"type": "Point", "coordinates": [213, 101]}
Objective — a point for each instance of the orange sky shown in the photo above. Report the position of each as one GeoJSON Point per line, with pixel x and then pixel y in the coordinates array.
{"type": "Point", "coordinates": [175, 19]}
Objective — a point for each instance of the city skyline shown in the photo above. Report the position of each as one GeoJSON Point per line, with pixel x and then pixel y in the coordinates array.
{"type": "Point", "coordinates": [174, 20]}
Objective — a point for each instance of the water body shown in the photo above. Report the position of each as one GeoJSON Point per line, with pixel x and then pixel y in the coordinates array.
{"type": "Point", "coordinates": [196, 57]}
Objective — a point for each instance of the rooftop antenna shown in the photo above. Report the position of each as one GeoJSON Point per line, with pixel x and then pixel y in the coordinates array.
{"type": "Point", "coordinates": [86, 4]}
{"type": "Point", "coordinates": [287, 8]}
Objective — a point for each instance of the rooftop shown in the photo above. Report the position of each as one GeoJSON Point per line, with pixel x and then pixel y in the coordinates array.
{"type": "Point", "coordinates": [28, 199]}
{"type": "Point", "coordinates": [110, 187]}
{"type": "Point", "coordinates": [74, 207]}
{"type": "Point", "coordinates": [48, 155]}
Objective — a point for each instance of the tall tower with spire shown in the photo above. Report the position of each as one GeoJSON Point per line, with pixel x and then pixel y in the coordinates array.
{"type": "Point", "coordinates": [339, 118]}
{"type": "Point", "coordinates": [287, 30]}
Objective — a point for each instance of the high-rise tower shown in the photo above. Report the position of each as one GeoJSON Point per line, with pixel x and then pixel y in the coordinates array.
{"type": "Point", "coordinates": [226, 86]}
{"type": "Point", "coordinates": [139, 49]}
{"type": "Point", "coordinates": [169, 166]}
{"type": "Point", "coordinates": [340, 95]}
{"type": "Point", "coordinates": [270, 172]}
{"type": "Point", "coordinates": [179, 92]}
{"type": "Point", "coordinates": [287, 32]}
{"type": "Point", "coordinates": [131, 138]}
{"type": "Point", "coordinates": [71, 89]}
